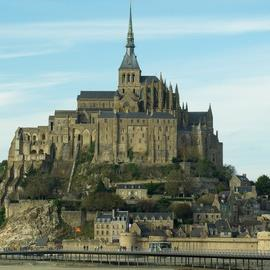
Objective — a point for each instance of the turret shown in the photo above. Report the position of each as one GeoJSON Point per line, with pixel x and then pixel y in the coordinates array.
{"type": "Point", "coordinates": [170, 97]}
{"type": "Point", "coordinates": [152, 98]}
{"type": "Point", "coordinates": [209, 117]}
{"type": "Point", "coordinates": [177, 98]}
{"type": "Point", "coordinates": [160, 93]}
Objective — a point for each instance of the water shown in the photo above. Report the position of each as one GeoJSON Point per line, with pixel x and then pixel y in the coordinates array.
{"type": "Point", "coordinates": [53, 266]}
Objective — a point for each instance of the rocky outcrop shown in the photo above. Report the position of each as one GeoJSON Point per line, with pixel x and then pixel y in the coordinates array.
{"type": "Point", "coordinates": [34, 222]}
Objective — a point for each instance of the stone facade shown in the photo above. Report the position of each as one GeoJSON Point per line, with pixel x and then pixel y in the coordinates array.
{"type": "Point", "coordinates": [131, 192]}
{"type": "Point", "coordinates": [109, 225]}
{"type": "Point", "coordinates": [142, 121]}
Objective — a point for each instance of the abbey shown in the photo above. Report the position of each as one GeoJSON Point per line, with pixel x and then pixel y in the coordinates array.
{"type": "Point", "coordinates": [142, 122]}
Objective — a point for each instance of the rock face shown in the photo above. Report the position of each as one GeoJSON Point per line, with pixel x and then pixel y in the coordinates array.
{"type": "Point", "coordinates": [25, 227]}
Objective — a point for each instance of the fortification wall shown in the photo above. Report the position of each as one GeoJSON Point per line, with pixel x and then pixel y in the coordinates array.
{"type": "Point", "coordinates": [72, 218]}
{"type": "Point", "coordinates": [19, 207]}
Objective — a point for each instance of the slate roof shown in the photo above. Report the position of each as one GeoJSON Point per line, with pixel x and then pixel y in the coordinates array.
{"type": "Point", "coordinates": [206, 209]}
{"type": "Point", "coordinates": [130, 186]}
{"type": "Point", "coordinates": [96, 95]}
{"type": "Point", "coordinates": [130, 61]}
{"type": "Point", "coordinates": [65, 113]}
{"type": "Point", "coordinates": [142, 115]}
{"type": "Point", "coordinates": [223, 226]}
{"type": "Point", "coordinates": [149, 215]}
{"type": "Point", "coordinates": [196, 117]}
{"type": "Point", "coordinates": [149, 79]}
{"type": "Point", "coordinates": [108, 216]}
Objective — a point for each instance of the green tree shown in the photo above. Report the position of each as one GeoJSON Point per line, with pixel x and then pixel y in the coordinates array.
{"type": "Point", "coordinates": [41, 186]}
{"type": "Point", "coordinates": [181, 211]}
{"type": "Point", "coordinates": [2, 216]}
{"type": "Point", "coordinates": [3, 169]}
{"type": "Point", "coordinates": [174, 183]}
{"type": "Point", "coordinates": [263, 185]}
{"type": "Point", "coordinates": [100, 187]}
{"type": "Point", "coordinates": [102, 201]}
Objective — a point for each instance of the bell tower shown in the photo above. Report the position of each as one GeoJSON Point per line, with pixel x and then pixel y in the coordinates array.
{"type": "Point", "coordinates": [129, 75]}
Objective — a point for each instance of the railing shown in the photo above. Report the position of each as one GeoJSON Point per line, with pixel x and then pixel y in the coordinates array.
{"type": "Point", "coordinates": [204, 259]}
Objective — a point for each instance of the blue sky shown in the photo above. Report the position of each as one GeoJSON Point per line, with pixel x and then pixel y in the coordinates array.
{"type": "Point", "coordinates": [217, 51]}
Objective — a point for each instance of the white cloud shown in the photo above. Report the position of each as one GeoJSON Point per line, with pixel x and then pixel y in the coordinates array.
{"type": "Point", "coordinates": [61, 35]}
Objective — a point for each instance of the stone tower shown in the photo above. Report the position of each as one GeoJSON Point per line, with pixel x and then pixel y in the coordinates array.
{"type": "Point", "coordinates": [129, 75]}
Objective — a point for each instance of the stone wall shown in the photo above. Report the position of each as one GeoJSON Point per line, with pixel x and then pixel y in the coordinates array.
{"type": "Point", "coordinates": [17, 208]}
{"type": "Point", "coordinates": [72, 218]}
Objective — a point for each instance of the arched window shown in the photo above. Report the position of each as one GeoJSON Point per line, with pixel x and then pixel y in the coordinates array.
{"type": "Point", "coordinates": [43, 137]}
{"type": "Point", "coordinates": [34, 138]}
{"type": "Point", "coordinates": [123, 91]}
{"type": "Point", "coordinates": [79, 137]}
{"type": "Point", "coordinates": [41, 152]}
{"type": "Point", "coordinates": [123, 78]}
{"type": "Point", "coordinates": [133, 78]}
{"type": "Point", "coordinates": [33, 152]}
{"type": "Point", "coordinates": [128, 77]}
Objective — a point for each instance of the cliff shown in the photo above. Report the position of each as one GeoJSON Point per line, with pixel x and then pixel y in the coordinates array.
{"type": "Point", "coordinates": [30, 223]}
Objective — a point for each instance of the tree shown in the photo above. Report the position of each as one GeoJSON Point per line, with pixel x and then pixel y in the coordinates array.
{"type": "Point", "coordinates": [102, 201]}
{"type": "Point", "coordinates": [174, 183]}
{"type": "Point", "coordinates": [40, 186]}
{"type": "Point", "coordinates": [263, 185]}
{"type": "Point", "coordinates": [100, 187]}
{"type": "Point", "coordinates": [181, 211]}
{"type": "Point", "coordinates": [3, 168]}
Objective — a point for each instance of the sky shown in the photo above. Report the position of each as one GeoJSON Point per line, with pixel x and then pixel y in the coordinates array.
{"type": "Point", "coordinates": [218, 52]}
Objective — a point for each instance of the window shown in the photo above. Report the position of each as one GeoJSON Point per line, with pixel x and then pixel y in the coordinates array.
{"type": "Point", "coordinates": [133, 77]}
{"type": "Point", "coordinates": [128, 77]}
{"type": "Point", "coordinates": [123, 78]}
{"type": "Point", "coordinates": [133, 91]}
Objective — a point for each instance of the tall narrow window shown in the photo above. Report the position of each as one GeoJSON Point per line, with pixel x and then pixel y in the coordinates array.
{"type": "Point", "coordinates": [123, 78]}
{"type": "Point", "coordinates": [128, 77]}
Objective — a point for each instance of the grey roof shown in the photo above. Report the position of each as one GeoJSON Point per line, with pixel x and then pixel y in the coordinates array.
{"type": "Point", "coordinates": [130, 62]}
{"type": "Point", "coordinates": [149, 215]}
{"type": "Point", "coordinates": [196, 117]}
{"type": "Point", "coordinates": [108, 216]}
{"type": "Point", "coordinates": [130, 186]}
{"type": "Point", "coordinates": [149, 79]}
{"type": "Point", "coordinates": [206, 209]}
{"type": "Point", "coordinates": [197, 232]}
{"type": "Point", "coordinates": [143, 115]}
{"type": "Point", "coordinates": [65, 113]}
{"type": "Point", "coordinates": [96, 95]}
{"type": "Point", "coordinates": [244, 180]}
{"type": "Point", "coordinates": [223, 225]}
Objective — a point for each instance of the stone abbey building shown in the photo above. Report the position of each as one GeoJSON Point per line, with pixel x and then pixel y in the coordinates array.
{"type": "Point", "coordinates": [141, 122]}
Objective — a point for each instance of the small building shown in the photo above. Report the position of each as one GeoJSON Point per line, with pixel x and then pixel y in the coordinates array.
{"type": "Point", "coordinates": [242, 185]}
{"type": "Point", "coordinates": [206, 214]}
{"type": "Point", "coordinates": [154, 220]}
{"type": "Point", "coordinates": [109, 225]}
{"type": "Point", "coordinates": [131, 192]}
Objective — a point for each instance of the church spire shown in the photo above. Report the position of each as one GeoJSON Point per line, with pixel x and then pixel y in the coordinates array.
{"type": "Point", "coordinates": [130, 59]}
{"type": "Point", "coordinates": [130, 36]}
